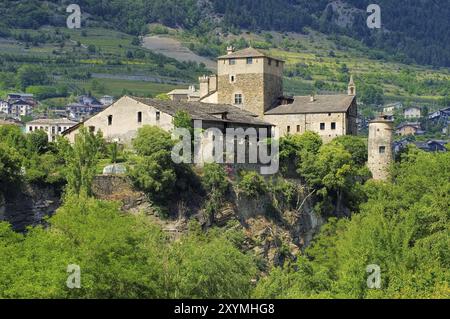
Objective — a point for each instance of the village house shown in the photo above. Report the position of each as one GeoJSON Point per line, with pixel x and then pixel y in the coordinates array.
{"type": "Point", "coordinates": [106, 100]}
{"type": "Point", "coordinates": [191, 94]}
{"type": "Point", "coordinates": [18, 108]}
{"type": "Point", "coordinates": [432, 146]}
{"type": "Point", "coordinates": [21, 96]}
{"type": "Point", "coordinates": [17, 105]}
{"type": "Point", "coordinates": [412, 112]}
{"type": "Point", "coordinates": [53, 127]}
{"type": "Point", "coordinates": [389, 109]}
{"type": "Point", "coordinates": [4, 107]}
{"type": "Point", "coordinates": [405, 129]}
{"type": "Point", "coordinates": [121, 121]}
{"type": "Point", "coordinates": [85, 107]}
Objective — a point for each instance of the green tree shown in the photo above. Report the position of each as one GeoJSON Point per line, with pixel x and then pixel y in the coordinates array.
{"type": "Point", "coordinates": [31, 75]}
{"type": "Point", "coordinates": [152, 139]}
{"type": "Point", "coordinates": [215, 180]}
{"type": "Point", "coordinates": [38, 142]}
{"type": "Point", "coordinates": [81, 160]}
{"type": "Point", "coordinates": [10, 169]}
{"type": "Point", "coordinates": [155, 175]}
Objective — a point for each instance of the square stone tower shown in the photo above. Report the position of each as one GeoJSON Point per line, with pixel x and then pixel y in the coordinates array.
{"type": "Point", "coordinates": [249, 79]}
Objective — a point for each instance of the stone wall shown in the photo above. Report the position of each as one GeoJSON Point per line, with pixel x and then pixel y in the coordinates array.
{"type": "Point", "coordinates": [260, 83]}
{"type": "Point", "coordinates": [125, 123]}
{"type": "Point", "coordinates": [380, 136]}
{"type": "Point", "coordinates": [300, 123]}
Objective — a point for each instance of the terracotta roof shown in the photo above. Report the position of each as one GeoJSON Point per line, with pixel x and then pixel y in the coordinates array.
{"type": "Point", "coordinates": [247, 53]}
{"type": "Point", "coordinates": [205, 111]}
{"type": "Point", "coordinates": [322, 104]}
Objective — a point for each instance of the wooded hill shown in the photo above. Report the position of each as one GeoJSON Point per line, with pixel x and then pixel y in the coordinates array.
{"type": "Point", "coordinates": [416, 31]}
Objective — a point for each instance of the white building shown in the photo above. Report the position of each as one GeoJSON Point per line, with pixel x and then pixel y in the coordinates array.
{"type": "Point", "coordinates": [412, 112]}
{"type": "Point", "coordinates": [107, 100]}
{"type": "Point", "coordinates": [53, 127]}
{"type": "Point", "coordinates": [20, 108]}
{"type": "Point", "coordinates": [4, 107]}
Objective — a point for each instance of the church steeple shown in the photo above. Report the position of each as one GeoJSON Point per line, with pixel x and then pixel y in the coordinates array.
{"type": "Point", "coordinates": [351, 87]}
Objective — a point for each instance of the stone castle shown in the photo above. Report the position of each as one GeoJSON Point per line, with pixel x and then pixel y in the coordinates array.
{"type": "Point", "coordinates": [253, 81]}
{"type": "Point", "coordinates": [246, 92]}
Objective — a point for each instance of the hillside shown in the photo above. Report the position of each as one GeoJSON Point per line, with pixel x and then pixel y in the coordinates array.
{"type": "Point", "coordinates": [95, 60]}
{"type": "Point", "coordinates": [411, 30]}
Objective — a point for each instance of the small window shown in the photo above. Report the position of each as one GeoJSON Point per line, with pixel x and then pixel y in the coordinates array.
{"type": "Point", "coordinates": [238, 99]}
{"type": "Point", "coordinates": [232, 61]}
{"type": "Point", "coordinates": [249, 60]}
{"type": "Point", "coordinates": [329, 114]}
{"type": "Point", "coordinates": [158, 116]}
{"type": "Point", "coordinates": [333, 125]}
{"type": "Point", "coordinates": [31, 128]}
{"type": "Point", "coordinates": [110, 117]}
{"type": "Point", "coordinates": [270, 61]}
{"type": "Point", "coordinates": [91, 129]}
{"type": "Point", "coordinates": [298, 128]}
{"type": "Point", "coordinates": [288, 129]}
{"type": "Point", "coordinates": [382, 149]}
{"type": "Point", "coordinates": [232, 78]}
{"type": "Point", "coordinates": [139, 117]}
{"type": "Point", "coordinates": [59, 128]}
{"type": "Point", "coordinates": [278, 63]}
{"type": "Point", "coordinates": [322, 126]}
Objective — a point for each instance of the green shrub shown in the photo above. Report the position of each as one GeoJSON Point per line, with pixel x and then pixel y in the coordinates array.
{"type": "Point", "coordinates": [152, 139]}
{"type": "Point", "coordinates": [252, 184]}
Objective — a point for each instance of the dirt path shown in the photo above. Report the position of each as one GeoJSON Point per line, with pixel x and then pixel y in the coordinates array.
{"type": "Point", "coordinates": [174, 49]}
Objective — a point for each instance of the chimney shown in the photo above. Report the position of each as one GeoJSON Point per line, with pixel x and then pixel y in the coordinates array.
{"type": "Point", "coordinates": [230, 50]}
{"type": "Point", "coordinates": [204, 85]}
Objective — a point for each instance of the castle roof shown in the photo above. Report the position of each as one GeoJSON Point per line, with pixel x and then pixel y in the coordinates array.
{"type": "Point", "coordinates": [322, 104]}
{"type": "Point", "coordinates": [205, 111]}
{"type": "Point", "coordinates": [247, 53]}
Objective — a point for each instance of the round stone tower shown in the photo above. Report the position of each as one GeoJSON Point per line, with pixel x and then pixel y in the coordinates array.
{"type": "Point", "coordinates": [380, 147]}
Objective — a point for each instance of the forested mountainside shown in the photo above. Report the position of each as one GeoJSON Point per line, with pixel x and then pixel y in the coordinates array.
{"type": "Point", "coordinates": [415, 30]}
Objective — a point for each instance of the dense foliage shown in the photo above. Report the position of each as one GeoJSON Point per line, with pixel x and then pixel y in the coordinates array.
{"type": "Point", "coordinates": [404, 228]}
{"type": "Point", "coordinates": [403, 225]}
{"type": "Point", "coordinates": [120, 256]}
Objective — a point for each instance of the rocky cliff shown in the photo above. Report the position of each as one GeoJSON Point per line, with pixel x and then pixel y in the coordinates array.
{"type": "Point", "coordinates": [29, 205]}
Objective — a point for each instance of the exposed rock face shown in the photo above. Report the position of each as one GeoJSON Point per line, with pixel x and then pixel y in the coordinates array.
{"type": "Point", "coordinates": [29, 206]}
{"type": "Point", "coordinates": [272, 234]}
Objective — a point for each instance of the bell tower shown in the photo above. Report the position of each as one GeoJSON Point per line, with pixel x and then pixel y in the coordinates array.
{"type": "Point", "coordinates": [351, 87]}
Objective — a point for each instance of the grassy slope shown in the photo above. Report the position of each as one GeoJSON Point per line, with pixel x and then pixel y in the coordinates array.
{"type": "Point", "coordinates": [313, 51]}
{"type": "Point", "coordinates": [110, 45]}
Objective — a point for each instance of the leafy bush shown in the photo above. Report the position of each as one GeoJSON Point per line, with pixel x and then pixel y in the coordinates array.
{"type": "Point", "coordinates": [251, 184]}
{"type": "Point", "coordinates": [152, 139]}
{"type": "Point", "coordinates": [154, 174]}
